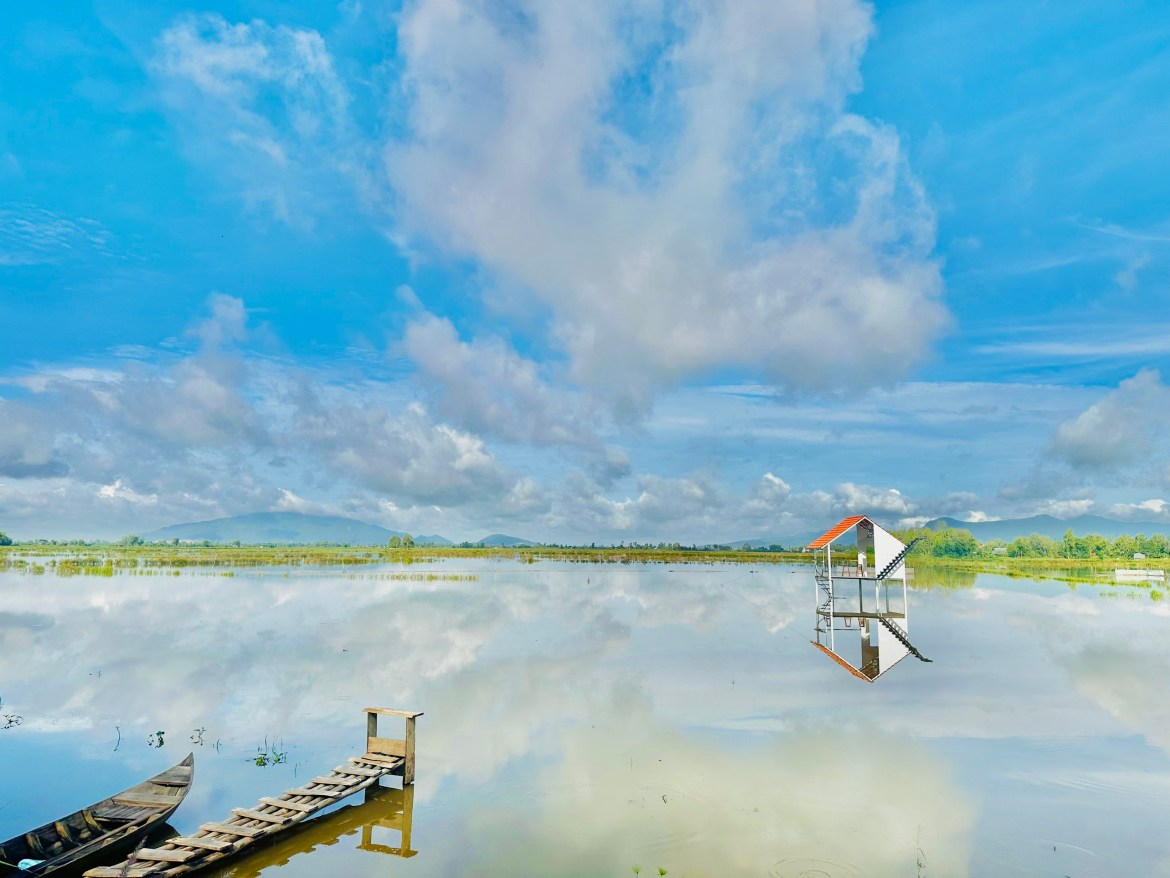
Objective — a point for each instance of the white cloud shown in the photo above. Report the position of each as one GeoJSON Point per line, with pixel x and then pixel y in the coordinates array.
{"type": "Point", "coordinates": [1126, 341]}
{"type": "Point", "coordinates": [607, 465]}
{"type": "Point", "coordinates": [35, 236]}
{"type": "Point", "coordinates": [666, 250]}
{"type": "Point", "coordinates": [1118, 429]}
{"type": "Point", "coordinates": [27, 444]}
{"type": "Point", "coordinates": [977, 515]}
{"type": "Point", "coordinates": [291, 502]}
{"type": "Point", "coordinates": [876, 500]}
{"type": "Point", "coordinates": [1127, 278]}
{"type": "Point", "coordinates": [485, 386]}
{"type": "Point", "coordinates": [265, 106]}
{"type": "Point", "coordinates": [405, 455]}
{"type": "Point", "coordinates": [1117, 444]}
{"type": "Point", "coordinates": [170, 438]}
{"type": "Point", "coordinates": [525, 499]}
{"type": "Point", "coordinates": [198, 402]}
{"type": "Point", "coordinates": [680, 192]}
{"type": "Point", "coordinates": [119, 491]}
{"type": "Point", "coordinates": [1065, 508]}
{"type": "Point", "coordinates": [962, 505]}
{"type": "Point", "coordinates": [700, 509]}
{"type": "Point", "coordinates": [767, 499]}
{"type": "Point", "coordinates": [1146, 510]}
{"type": "Point", "coordinates": [666, 500]}
{"type": "Point", "coordinates": [228, 322]}
{"type": "Point", "coordinates": [515, 119]}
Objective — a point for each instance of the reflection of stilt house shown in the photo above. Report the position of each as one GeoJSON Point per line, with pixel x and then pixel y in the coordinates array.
{"type": "Point", "coordinates": [860, 572]}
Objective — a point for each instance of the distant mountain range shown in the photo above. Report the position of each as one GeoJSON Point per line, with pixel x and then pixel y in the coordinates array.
{"type": "Point", "coordinates": [291, 528]}
{"type": "Point", "coordinates": [1046, 525]}
{"type": "Point", "coordinates": [294, 528]}
{"type": "Point", "coordinates": [1006, 529]}
{"type": "Point", "coordinates": [787, 541]}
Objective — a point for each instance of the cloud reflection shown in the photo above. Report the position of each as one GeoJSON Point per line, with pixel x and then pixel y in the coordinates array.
{"type": "Point", "coordinates": [552, 692]}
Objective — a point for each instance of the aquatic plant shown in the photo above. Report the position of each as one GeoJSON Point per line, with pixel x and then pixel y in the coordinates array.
{"type": "Point", "coordinates": [270, 754]}
{"type": "Point", "coordinates": [10, 720]}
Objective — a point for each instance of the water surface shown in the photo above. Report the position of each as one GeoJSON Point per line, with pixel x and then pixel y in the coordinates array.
{"type": "Point", "coordinates": [583, 720]}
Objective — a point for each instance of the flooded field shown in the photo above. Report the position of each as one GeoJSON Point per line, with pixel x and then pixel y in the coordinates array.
{"type": "Point", "coordinates": [604, 720]}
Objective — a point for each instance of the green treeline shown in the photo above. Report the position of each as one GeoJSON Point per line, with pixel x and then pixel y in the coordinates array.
{"type": "Point", "coordinates": [959, 543]}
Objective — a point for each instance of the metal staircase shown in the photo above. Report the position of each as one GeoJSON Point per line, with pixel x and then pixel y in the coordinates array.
{"type": "Point", "coordinates": [898, 559]}
{"type": "Point", "coordinates": [823, 574]}
{"type": "Point", "coordinates": [901, 636]}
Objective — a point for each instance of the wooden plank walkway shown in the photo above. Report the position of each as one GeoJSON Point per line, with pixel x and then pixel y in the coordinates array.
{"type": "Point", "coordinates": [272, 815]}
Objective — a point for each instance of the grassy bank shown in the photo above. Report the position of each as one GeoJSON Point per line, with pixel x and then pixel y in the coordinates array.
{"type": "Point", "coordinates": [108, 559]}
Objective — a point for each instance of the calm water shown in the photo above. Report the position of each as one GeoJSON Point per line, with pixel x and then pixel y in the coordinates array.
{"type": "Point", "coordinates": [584, 720]}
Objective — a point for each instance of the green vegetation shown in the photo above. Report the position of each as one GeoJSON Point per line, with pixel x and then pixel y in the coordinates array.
{"type": "Point", "coordinates": [270, 754]}
{"type": "Point", "coordinates": [948, 558]}
{"type": "Point", "coordinates": [959, 543]}
{"type": "Point", "coordinates": [108, 559]}
{"type": "Point", "coordinates": [951, 557]}
{"type": "Point", "coordinates": [5, 540]}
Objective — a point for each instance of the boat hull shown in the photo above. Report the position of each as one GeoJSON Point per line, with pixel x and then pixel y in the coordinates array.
{"type": "Point", "coordinates": [105, 832]}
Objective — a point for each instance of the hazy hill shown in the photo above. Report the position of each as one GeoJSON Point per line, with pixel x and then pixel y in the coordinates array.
{"type": "Point", "coordinates": [787, 541]}
{"type": "Point", "coordinates": [285, 527]}
{"type": "Point", "coordinates": [1054, 528]}
{"type": "Point", "coordinates": [503, 541]}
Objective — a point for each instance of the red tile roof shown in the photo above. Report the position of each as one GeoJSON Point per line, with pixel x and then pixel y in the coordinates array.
{"type": "Point", "coordinates": [842, 662]}
{"type": "Point", "coordinates": [836, 531]}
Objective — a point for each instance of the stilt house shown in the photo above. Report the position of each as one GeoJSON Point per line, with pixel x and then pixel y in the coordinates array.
{"type": "Point", "coordinates": [860, 573]}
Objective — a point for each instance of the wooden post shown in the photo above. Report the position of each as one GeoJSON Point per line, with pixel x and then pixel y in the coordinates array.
{"type": "Point", "coordinates": [407, 818]}
{"type": "Point", "coordinates": [400, 821]}
{"type": "Point", "coordinates": [408, 766]}
{"type": "Point", "coordinates": [391, 747]}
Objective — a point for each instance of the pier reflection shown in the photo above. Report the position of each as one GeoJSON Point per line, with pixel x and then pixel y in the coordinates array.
{"type": "Point", "coordinates": [384, 809]}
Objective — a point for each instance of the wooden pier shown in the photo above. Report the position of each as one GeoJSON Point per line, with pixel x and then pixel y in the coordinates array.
{"type": "Point", "coordinates": [247, 827]}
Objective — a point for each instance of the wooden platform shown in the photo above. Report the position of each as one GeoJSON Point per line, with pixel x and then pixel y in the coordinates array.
{"type": "Point", "coordinates": [246, 827]}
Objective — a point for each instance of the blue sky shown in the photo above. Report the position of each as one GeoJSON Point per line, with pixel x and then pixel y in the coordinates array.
{"type": "Point", "coordinates": [640, 271]}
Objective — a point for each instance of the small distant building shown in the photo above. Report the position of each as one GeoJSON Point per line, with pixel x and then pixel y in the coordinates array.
{"type": "Point", "coordinates": [1139, 556]}
{"type": "Point", "coordinates": [863, 588]}
{"type": "Point", "coordinates": [999, 550]}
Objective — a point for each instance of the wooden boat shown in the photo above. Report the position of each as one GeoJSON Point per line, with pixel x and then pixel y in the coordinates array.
{"type": "Point", "coordinates": [103, 832]}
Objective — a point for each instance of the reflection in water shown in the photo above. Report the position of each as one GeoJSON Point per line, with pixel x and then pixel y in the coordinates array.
{"type": "Point", "coordinates": [804, 868]}
{"type": "Point", "coordinates": [584, 719]}
{"type": "Point", "coordinates": [941, 576]}
{"type": "Point", "coordinates": [384, 808]}
{"type": "Point", "coordinates": [868, 596]}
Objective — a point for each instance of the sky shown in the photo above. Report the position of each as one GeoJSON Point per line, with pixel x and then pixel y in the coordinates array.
{"type": "Point", "coordinates": [640, 271]}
